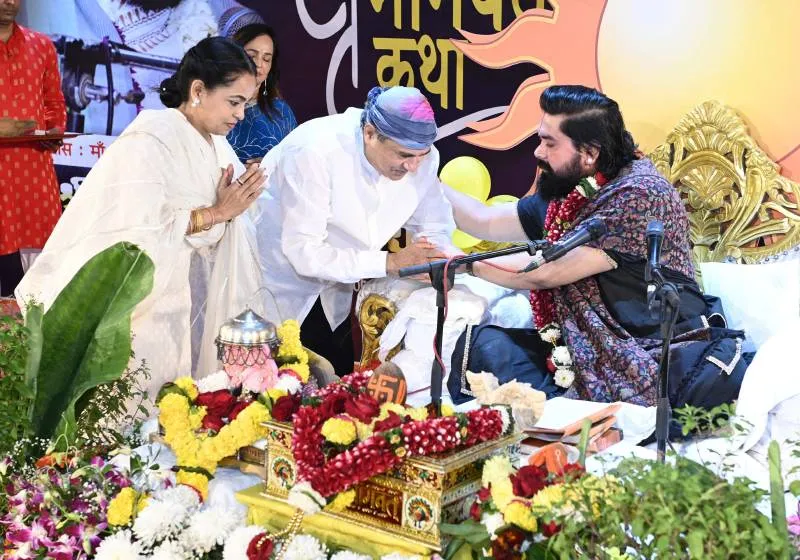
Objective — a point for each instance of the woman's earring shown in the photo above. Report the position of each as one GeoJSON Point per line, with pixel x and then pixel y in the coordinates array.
{"type": "Point", "coordinates": [265, 87]}
{"type": "Point", "coordinates": [196, 102]}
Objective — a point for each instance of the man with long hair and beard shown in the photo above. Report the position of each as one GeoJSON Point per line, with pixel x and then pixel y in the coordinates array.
{"type": "Point", "coordinates": [595, 338]}
{"type": "Point", "coordinates": [163, 28]}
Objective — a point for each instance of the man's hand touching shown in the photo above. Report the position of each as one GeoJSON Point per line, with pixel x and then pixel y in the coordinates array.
{"type": "Point", "coordinates": [418, 252]}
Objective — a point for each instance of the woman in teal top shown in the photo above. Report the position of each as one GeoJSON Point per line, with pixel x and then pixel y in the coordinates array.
{"type": "Point", "coordinates": [267, 118]}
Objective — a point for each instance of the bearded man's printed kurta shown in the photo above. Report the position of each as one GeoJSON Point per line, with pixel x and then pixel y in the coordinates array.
{"type": "Point", "coordinates": [30, 88]}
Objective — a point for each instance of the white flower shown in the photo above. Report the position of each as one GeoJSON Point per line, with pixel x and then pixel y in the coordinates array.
{"type": "Point", "coordinates": [119, 547]}
{"type": "Point", "coordinates": [214, 382]}
{"type": "Point", "coordinates": [181, 495]}
{"type": "Point", "coordinates": [504, 416]}
{"type": "Point", "coordinates": [303, 496]}
{"type": "Point", "coordinates": [209, 528]}
{"type": "Point", "coordinates": [561, 356]}
{"type": "Point", "coordinates": [564, 377]}
{"type": "Point", "coordinates": [550, 333]}
{"type": "Point", "coordinates": [158, 521]}
{"type": "Point", "coordinates": [169, 550]}
{"type": "Point", "coordinates": [238, 541]}
{"type": "Point", "coordinates": [348, 555]}
{"type": "Point", "coordinates": [289, 383]}
{"type": "Point", "coordinates": [305, 547]}
{"type": "Point", "coordinates": [492, 522]}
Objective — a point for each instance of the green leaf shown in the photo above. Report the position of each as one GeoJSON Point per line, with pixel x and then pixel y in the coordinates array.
{"type": "Point", "coordinates": [87, 334]}
{"type": "Point", "coordinates": [453, 547]}
{"type": "Point", "coordinates": [694, 541]}
{"type": "Point", "coordinates": [33, 322]}
{"type": "Point", "coordinates": [464, 529]}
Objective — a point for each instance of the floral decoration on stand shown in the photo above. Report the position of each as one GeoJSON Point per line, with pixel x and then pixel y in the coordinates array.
{"type": "Point", "coordinates": [558, 221]}
{"type": "Point", "coordinates": [343, 436]}
{"type": "Point", "coordinates": [206, 422]}
{"type": "Point", "coordinates": [204, 428]}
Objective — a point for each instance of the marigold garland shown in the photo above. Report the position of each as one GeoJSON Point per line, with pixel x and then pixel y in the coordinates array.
{"type": "Point", "coordinates": [324, 472]}
{"type": "Point", "coordinates": [198, 454]}
{"type": "Point", "coordinates": [558, 221]}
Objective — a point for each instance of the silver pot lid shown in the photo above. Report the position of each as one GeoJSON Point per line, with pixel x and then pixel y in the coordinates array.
{"type": "Point", "coordinates": [248, 328]}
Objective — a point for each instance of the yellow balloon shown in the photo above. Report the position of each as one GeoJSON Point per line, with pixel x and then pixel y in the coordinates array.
{"type": "Point", "coordinates": [467, 175]}
{"type": "Point", "coordinates": [464, 240]}
{"type": "Point", "coordinates": [502, 199]}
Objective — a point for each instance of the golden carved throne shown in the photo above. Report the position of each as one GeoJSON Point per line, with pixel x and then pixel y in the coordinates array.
{"type": "Point", "coordinates": [740, 208]}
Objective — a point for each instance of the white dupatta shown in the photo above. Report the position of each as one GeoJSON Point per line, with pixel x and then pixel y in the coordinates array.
{"type": "Point", "coordinates": [142, 191]}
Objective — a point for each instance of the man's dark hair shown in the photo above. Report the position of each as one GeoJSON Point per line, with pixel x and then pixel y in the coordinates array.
{"type": "Point", "coordinates": [592, 119]}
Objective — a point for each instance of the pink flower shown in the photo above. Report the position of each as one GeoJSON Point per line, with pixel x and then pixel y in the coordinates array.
{"type": "Point", "coordinates": [258, 379]}
{"type": "Point", "coordinates": [794, 524]}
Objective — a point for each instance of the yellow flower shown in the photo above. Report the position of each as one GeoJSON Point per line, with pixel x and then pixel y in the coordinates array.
{"type": "Point", "coordinates": [200, 450]}
{"type": "Point", "coordinates": [342, 501]}
{"type": "Point", "coordinates": [301, 369]}
{"type": "Point", "coordinates": [120, 509]}
{"type": "Point", "coordinates": [400, 451]}
{"type": "Point", "coordinates": [142, 503]}
{"type": "Point", "coordinates": [495, 469]}
{"type": "Point", "coordinates": [196, 480]}
{"type": "Point", "coordinates": [196, 415]}
{"type": "Point", "coordinates": [188, 386]}
{"type": "Point", "coordinates": [364, 431]}
{"type": "Point", "coordinates": [418, 414]}
{"type": "Point", "coordinates": [447, 410]}
{"type": "Point", "coordinates": [548, 499]}
{"type": "Point", "coordinates": [502, 493]}
{"type": "Point", "coordinates": [275, 394]}
{"type": "Point", "coordinates": [519, 513]}
{"type": "Point", "coordinates": [388, 407]}
{"type": "Point", "coordinates": [341, 431]}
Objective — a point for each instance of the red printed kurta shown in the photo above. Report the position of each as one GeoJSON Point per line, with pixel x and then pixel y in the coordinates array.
{"type": "Point", "coordinates": [30, 88]}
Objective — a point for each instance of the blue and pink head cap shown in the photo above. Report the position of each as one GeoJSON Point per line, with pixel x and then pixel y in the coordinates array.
{"type": "Point", "coordinates": [402, 114]}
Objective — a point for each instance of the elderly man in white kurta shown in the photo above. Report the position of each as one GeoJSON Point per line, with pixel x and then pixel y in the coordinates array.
{"type": "Point", "coordinates": [339, 188]}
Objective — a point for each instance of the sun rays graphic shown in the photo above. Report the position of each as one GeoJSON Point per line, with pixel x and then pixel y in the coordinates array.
{"type": "Point", "coordinates": [658, 60]}
{"type": "Point", "coordinates": [535, 37]}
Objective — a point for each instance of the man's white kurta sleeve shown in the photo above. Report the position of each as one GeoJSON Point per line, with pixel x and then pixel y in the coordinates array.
{"type": "Point", "coordinates": [433, 217]}
{"type": "Point", "coordinates": [305, 210]}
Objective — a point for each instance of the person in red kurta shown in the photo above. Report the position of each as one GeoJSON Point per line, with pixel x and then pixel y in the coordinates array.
{"type": "Point", "coordinates": [30, 98]}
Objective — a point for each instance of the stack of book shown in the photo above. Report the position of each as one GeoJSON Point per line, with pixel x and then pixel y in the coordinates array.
{"type": "Point", "coordinates": [562, 421]}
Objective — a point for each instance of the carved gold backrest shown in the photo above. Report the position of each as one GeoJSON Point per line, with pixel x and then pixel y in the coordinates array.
{"type": "Point", "coordinates": [740, 208]}
{"type": "Point", "coordinates": [375, 313]}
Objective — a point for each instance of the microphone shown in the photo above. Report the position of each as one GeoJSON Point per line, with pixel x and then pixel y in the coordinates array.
{"type": "Point", "coordinates": [589, 230]}
{"type": "Point", "coordinates": [655, 237]}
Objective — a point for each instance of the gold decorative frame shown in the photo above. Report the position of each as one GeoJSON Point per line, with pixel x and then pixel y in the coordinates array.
{"type": "Point", "coordinates": [740, 208]}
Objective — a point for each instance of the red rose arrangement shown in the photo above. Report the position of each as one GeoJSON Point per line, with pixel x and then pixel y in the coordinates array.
{"type": "Point", "coordinates": [343, 436]}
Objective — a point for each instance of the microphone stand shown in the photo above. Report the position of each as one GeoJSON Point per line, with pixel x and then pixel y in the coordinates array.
{"type": "Point", "coordinates": [668, 295]}
{"type": "Point", "coordinates": [435, 269]}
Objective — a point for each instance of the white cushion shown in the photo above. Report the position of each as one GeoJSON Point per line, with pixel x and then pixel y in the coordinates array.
{"type": "Point", "coordinates": [760, 299]}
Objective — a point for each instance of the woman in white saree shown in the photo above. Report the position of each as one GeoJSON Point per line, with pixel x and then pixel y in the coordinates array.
{"type": "Point", "coordinates": [172, 185]}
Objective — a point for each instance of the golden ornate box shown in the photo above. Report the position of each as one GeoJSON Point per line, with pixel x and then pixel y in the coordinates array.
{"type": "Point", "coordinates": [410, 500]}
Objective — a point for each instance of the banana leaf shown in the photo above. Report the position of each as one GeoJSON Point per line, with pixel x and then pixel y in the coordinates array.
{"type": "Point", "coordinates": [86, 335]}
